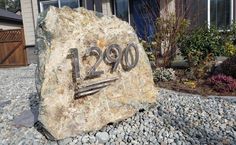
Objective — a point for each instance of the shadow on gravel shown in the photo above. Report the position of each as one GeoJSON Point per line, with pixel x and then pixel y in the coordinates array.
{"type": "Point", "coordinates": [34, 105]}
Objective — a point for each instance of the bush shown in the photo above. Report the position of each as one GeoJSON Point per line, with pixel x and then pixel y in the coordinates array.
{"type": "Point", "coordinates": [200, 47]}
{"type": "Point", "coordinates": [148, 47]}
{"type": "Point", "coordinates": [229, 66]}
{"type": "Point", "coordinates": [229, 37]}
{"type": "Point", "coordinates": [232, 33]}
{"type": "Point", "coordinates": [163, 74]}
{"type": "Point", "coordinates": [169, 30]}
{"type": "Point", "coordinates": [230, 49]}
{"type": "Point", "coordinates": [222, 83]}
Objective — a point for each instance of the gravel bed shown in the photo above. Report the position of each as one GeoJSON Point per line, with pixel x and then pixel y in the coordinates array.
{"type": "Point", "coordinates": [176, 119]}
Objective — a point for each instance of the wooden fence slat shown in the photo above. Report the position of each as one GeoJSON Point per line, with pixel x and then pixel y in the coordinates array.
{"type": "Point", "coordinates": [12, 36]}
{"type": "Point", "coordinates": [1, 35]}
{"type": "Point", "coordinates": [4, 36]}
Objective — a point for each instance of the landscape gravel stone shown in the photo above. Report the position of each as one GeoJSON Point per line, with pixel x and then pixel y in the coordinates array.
{"type": "Point", "coordinates": [176, 118]}
{"type": "Point", "coordinates": [26, 118]}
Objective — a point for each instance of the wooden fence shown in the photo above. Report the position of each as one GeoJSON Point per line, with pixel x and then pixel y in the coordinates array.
{"type": "Point", "coordinates": [12, 48]}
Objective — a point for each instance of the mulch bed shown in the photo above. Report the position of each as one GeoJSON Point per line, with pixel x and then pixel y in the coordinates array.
{"type": "Point", "coordinates": [200, 89]}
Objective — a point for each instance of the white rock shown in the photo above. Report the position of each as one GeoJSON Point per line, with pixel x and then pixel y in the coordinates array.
{"type": "Point", "coordinates": [102, 137]}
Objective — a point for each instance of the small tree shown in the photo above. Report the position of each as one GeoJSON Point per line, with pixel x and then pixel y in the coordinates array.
{"type": "Point", "coordinates": [169, 26]}
{"type": "Point", "coordinates": [169, 30]}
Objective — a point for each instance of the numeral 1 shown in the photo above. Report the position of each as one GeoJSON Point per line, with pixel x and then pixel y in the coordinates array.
{"type": "Point", "coordinates": [73, 55]}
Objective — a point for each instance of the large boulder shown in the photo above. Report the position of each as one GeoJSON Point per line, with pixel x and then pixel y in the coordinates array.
{"type": "Point", "coordinates": [74, 101]}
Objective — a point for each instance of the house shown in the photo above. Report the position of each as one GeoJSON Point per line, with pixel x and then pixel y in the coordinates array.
{"type": "Point", "coordinates": [141, 14]}
{"type": "Point", "coordinates": [10, 20]}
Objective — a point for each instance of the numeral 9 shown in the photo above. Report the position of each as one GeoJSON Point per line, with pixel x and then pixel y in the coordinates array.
{"type": "Point", "coordinates": [113, 56]}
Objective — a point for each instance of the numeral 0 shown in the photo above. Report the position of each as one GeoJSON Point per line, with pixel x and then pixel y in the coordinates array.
{"type": "Point", "coordinates": [127, 63]}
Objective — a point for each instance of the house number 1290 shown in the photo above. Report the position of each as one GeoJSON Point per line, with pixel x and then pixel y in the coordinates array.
{"type": "Point", "coordinates": [113, 55]}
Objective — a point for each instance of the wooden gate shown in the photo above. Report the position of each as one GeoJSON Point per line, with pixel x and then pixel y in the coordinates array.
{"type": "Point", "coordinates": [12, 48]}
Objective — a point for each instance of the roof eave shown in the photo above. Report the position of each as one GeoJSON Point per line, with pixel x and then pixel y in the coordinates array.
{"type": "Point", "coordinates": [7, 19]}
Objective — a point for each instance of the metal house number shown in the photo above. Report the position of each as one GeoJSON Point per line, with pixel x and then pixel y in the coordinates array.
{"type": "Point", "coordinates": [113, 56]}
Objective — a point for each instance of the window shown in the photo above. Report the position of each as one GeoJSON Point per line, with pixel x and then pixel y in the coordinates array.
{"type": "Point", "coordinates": [220, 13]}
{"type": "Point", "coordinates": [141, 14]}
{"type": "Point", "coordinates": [121, 9]}
{"type": "Point", "coordinates": [194, 10]}
{"type": "Point", "coordinates": [214, 12]}
{"type": "Point", "coordinates": [44, 5]}
{"type": "Point", "coordinates": [143, 17]}
{"type": "Point", "coordinates": [69, 3]}
{"type": "Point", "coordinates": [94, 5]}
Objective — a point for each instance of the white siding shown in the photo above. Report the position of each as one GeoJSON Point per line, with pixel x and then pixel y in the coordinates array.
{"type": "Point", "coordinates": [35, 10]}
{"type": "Point", "coordinates": [9, 26]}
{"type": "Point", "coordinates": [29, 14]}
{"type": "Point", "coordinates": [106, 7]}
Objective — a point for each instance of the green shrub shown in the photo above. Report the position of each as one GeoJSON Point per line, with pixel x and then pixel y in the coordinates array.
{"type": "Point", "coordinates": [232, 33]}
{"type": "Point", "coordinates": [199, 48]}
{"type": "Point", "coordinates": [229, 38]}
{"type": "Point", "coordinates": [229, 67]}
{"type": "Point", "coordinates": [229, 49]}
{"type": "Point", "coordinates": [148, 46]}
{"type": "Point", "coordinates": [164, 74]}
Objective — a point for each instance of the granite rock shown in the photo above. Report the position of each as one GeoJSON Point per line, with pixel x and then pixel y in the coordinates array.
{"type": "Point", "coordinates": [62, 115]}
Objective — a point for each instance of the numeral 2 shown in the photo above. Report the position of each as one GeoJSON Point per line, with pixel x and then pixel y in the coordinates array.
{"type": "Point", "coordinates": [92, 73]}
